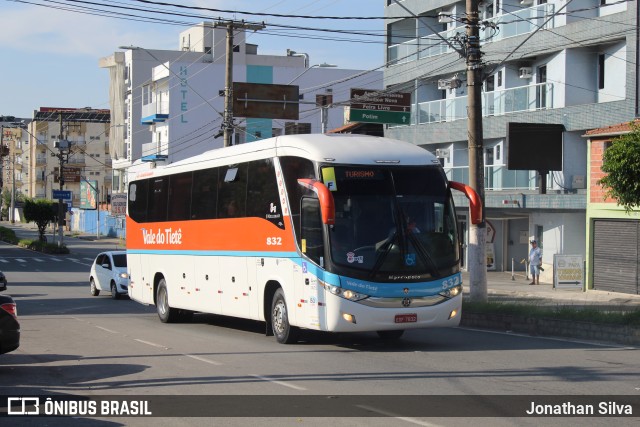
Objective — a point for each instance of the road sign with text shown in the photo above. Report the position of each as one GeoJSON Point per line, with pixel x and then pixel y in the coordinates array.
{"type": "Point", "coordinates": [371, 106]}
{"type": "Point", "coordinates": [62, 194]}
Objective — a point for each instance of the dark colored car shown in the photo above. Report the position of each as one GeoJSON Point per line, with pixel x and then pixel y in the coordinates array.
{"type": "Point", "coordinates": [9, 326]}
{"type": "Point", "coordinates": [3, 282]}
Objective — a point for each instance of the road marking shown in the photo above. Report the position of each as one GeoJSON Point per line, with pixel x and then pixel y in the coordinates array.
{"type": "Point", "coordinates": [390, 414]}
{"type": "Point", "coordinates": [105, 329]}
{"type": "Point", "coordinates": [38, 260]}
{"type": "Point", "coordinates": [4, 260]}
{"type": "Point", "coordinates": [89, 259]}
{"type": "Point", "coordinates": [151, 344]}
{"type": "Point", "coordinates": [295, 387]}
{"type": "Point", "coordinates": [202, 359]}
{"type": "Point", "coordinates": [20, 260]}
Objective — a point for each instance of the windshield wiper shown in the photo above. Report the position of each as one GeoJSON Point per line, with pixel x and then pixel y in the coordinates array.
{"type": "Point", "coordinates": [424, 254]}
{"type": "Point", "coordinates": [386, 248]}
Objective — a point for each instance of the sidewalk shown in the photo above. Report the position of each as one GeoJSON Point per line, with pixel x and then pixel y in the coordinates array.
{"type": "Point", "coordinates": [501, 287]}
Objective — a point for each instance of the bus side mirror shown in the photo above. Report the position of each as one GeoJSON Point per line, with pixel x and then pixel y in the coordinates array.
{"type": "Point", "coordinates": [327, 206]}
{"type": "Point", "coordinates": [475, 204]}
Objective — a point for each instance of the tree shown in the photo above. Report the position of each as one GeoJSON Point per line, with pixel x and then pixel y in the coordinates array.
{"type": "Point", "coordinates": [39, 211]}
{"type": "Point", "coordinates": [6, 203]}
{"type": "Point", "coordinates": [621, 163]}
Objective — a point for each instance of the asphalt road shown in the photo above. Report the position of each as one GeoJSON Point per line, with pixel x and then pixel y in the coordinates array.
{"type": "Point", "coordinates": [74, 344]}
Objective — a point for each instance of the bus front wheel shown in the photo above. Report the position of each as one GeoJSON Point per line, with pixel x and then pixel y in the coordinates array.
{"type": "Point", "coordinates": [165, 312]}
{"type": "Point", "coordinates": [284, 332]}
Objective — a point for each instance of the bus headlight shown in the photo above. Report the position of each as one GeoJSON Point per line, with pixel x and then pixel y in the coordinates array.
{"type": "Point", "coordinates": [344, 293]}
{"type": "Point", "coordinates": [452, 292]}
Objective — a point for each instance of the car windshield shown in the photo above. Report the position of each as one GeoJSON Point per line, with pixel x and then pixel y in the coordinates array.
{"type": "Point", "coordinates": [393, 221]}
{"type": "Point", "coordinates": [120, 260]}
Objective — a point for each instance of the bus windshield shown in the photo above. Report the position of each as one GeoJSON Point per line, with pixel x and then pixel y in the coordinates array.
{"type": "Point", "coordinates": [392, 223]}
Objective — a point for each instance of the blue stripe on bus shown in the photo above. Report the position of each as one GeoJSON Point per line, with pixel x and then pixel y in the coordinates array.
{"type": "Point", "coordinates": [382, 289]}
{"type": "Point", "coordinates": [377, 289]}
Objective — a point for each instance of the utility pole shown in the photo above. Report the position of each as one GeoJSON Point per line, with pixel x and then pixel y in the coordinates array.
{"type": "Point", "coordinates": [62, 145]}
{"type": "Point", "coordinates": [12, 205]}
{"type": "Point", "coordinates": [477, 232]}
{"type": "Point", "coordinates": [228, 90]}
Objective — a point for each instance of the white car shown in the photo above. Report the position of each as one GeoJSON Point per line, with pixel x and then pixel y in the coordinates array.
{"type": "Point", "coordinates": [109, 273]}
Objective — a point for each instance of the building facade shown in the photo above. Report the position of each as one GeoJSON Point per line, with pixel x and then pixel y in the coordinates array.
{"type": "Point", "coordinates": [169, 105]}
{"type": "Point", "coordinates": [14, 154]}
{"type": "Point", "coordinates": [613, 254]}
{"type": "Point", "coordinates": [81, 137]}
{"type": "Point", "coordinates": [571, 64]}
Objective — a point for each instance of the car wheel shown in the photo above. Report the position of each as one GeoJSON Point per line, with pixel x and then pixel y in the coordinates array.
{"type": "Point", "coordinates": [390, 335]}
{"type": "Point", "coordinates": [284, 332]}
{"type": "Point", "coordinates": [92, 287]}
{"type": "Point", "coordinates": [165, 312]}
{"type": "Point", "coordinates": [114, 291]}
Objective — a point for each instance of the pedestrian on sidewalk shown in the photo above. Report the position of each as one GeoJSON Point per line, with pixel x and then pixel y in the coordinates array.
{"type": "Point", "coordinates": [535, 261]}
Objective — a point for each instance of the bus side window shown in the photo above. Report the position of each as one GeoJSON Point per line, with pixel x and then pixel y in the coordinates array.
{"type": "Point", "coordinates": [138, 195]}
{"type": "Point", "coordinates": [232, 192]}
{"type": "Point", "coordinates": [311, 242]}
{"type": "Point", "coordinates": [204, 195]}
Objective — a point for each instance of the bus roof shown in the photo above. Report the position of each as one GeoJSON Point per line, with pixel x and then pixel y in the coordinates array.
{"type": "Point", "coordinates": [333, 148]}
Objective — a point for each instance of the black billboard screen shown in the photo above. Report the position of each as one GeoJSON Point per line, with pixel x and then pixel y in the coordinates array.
{"type": "Point", "coordinates": [534, 146]}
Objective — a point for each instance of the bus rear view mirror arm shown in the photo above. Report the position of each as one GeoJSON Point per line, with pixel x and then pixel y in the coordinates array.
{"type": "Point", "coordinates": [475, 204]}
{"type": "Point", "coordinates": [327, 206]}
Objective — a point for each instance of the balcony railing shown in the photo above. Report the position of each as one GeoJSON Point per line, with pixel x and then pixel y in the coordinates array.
{"type": "Point", "coordinates": [41, 160]}
{"type": "Point", "coordinates": [155, 112]}
{"type": "Point", "coordinates": [76, 160]}
{"type": "Point", "coordinates": [508, 25]}
{"type": "Point", "coordinates": [496, 178]}
{"type": "Point", "coordinates": [522, 21]}
{"type": "Point", "coordinates": [496, 103]}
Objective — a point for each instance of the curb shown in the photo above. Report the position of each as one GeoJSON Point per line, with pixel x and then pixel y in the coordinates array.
{"type": "Point", "coordinates": [618, 334]}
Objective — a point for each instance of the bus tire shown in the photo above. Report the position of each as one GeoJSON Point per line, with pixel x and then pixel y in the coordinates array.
{"type": "Point", "coordinates": [390, 335]}
{"type": "Point", "coordinates": [165, 312]}
{"type": "Point", "coordinates": [282, 329]}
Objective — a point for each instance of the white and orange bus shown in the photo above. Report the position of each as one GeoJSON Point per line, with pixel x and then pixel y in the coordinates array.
{"type": "Point", "coordinates": [343, 233]}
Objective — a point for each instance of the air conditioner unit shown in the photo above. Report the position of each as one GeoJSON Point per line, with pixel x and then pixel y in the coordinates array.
{"type": "Point", "coordinates": [442, 153]}
{"type": "Point", "coordinates": [449, 83]}
{"type": "Point", "coordinates": [577, 182]}
{"type": "Point", "coordinates": [444, 17]}
{"type": "Point", "coordinates": [526, 72]}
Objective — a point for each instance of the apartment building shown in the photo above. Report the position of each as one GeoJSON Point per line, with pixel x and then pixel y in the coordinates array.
{"type": "Point", "coordinates": [168, 105]}
{"type": "Point", "coordinates": [556, 62]}
{"type": "Point", "coordinates": [14, 155]}
{"type": "Point", "coordinates": [84, 133]}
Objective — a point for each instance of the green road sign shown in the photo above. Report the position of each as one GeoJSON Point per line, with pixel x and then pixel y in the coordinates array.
{"type": "Point", "coordinates": [368, 116]}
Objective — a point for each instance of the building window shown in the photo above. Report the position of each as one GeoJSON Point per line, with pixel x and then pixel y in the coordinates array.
{"type": "Point", "coordinates": [601, 71]}
{"type": "Point", "coordinates": [293, 128]}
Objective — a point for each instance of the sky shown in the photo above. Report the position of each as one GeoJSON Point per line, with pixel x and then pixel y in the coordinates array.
{"type": "Point", "coordinates": [49, 52]}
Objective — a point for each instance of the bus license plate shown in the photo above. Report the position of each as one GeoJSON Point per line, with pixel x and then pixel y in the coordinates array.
{"type": "Point", "coordinates": [406, 318]}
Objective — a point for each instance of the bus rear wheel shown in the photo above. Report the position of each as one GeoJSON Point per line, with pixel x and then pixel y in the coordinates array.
{"type": "Point", "coordinates": [390, 335]}
{"type": "Point", "coordinates": [284, 332]}
{"type": "Point", "coordinates": [165, 312]}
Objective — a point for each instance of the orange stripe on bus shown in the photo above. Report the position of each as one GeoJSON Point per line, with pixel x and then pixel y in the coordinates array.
{"type": "Point", "coordinates": [232, 234]}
